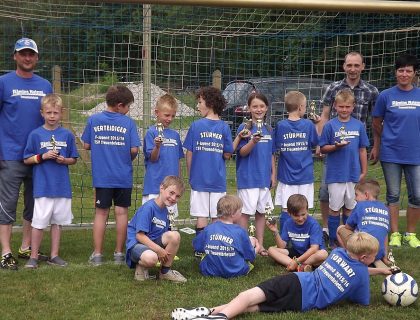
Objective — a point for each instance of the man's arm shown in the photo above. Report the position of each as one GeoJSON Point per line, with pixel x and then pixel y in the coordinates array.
{"type": "Point", "coordinates": [377, 124]}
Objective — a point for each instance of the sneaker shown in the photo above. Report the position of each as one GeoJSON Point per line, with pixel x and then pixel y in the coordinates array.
{"type": "Point", "coordinates": [141, 273]}
{"type": "Point", "coordinates": [307, 268]}
{"type": "Point", "coordinates": [188, 314]}
{"type": "Point", "coordinates": [325, 237]}
{"type": "Point", "coordinates": [57, 261]}
{"type": "Point", "coordinates": [199, 254]}
{"type": "Point", "coordinates": [26, 254]}
{"type": "Point", "coordinates": [8, 262]}
{"type": "Point", "coordinates": [172, 275]}
{"type": "Point", "coordinates": [411, 240]}
{"type": "Point", "coordinates": [333, 244]}
{"type": "Point", "coordinates": [211, 316]}
{"type": "Point", "coordinates": [395, 239]}
{"type": "Point", "coordinates": [96, 259]}
{"type": "Point", "coordinates": [119, 258]}
{"type": "Point", "coordinates": [31, 264]}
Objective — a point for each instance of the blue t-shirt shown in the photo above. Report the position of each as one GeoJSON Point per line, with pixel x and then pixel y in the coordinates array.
{"type": "Point", "coordinates": [207, 140]}
{"type": "Point", "coordinates": [227, 249]}
{"type": "Point", "coordinates": [150, 219]}
{"type": "Point", "coordinates": [111, 135]}
{"type": "Point", "coordinates": [371, 217]}
{"type": "Point", "coordinates": [400, 140]}
{"type": "Point", "coordinates": [337, 278]}
{"type": "Point", "coordinates": [257, 162]}
{"type": "Point", "coordinates": [51, 179]}
{"type": "Point", "coordinates": [295, 141]}
{"type": "Point", "coordinates": [301, 237]}
{"type": "Point", "coordinates": [168, 162]}
{"type": "Point", "coordinates": [20, 104]}
{"type": "Point", "coordinates": [343, 165]}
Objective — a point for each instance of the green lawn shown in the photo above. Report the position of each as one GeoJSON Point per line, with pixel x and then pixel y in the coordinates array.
{"type": "Point", "coordinates": [109, 291]}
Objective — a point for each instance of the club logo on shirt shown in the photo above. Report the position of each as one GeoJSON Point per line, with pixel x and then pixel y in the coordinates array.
{"type": "Point", "coordinates": [28, 94]}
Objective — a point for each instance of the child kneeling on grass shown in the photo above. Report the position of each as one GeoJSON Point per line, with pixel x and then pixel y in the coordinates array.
{"type": "Point", "coordinates": [300, 246]}
{"type": "Point", "coordinates": [344, 275]}
{"type": "Point", "coordinates": [228, 250]}
{"type": "Point", "coordinates": [149, 239]}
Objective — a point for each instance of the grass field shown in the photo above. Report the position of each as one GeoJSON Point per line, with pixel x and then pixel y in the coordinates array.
{"type": "Point", "coordinates": [110, 292]}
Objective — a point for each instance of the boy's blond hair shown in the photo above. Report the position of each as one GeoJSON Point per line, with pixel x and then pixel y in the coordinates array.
{"type": "Point", "coordinates": [52, 99]}
{"type": "Point", "coordinates": [228, 205]}
{"type": "Point", "coordinates": [173, 181]}
{"type": "Point", "coordinates": [345, 95]}
{"type": "Point", "coordinates": [372, 186]}
{"type": "Point", "coordinates": [296, 202]}
{"type": "Point", "coordinates": [166, 102]}
{"type": "Point", "coordinates": [361, 243]}
{"type": "Point", "coordinates": [293, 100]}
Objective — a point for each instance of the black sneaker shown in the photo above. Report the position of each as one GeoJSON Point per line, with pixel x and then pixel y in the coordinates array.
{"type": "Point", "coordinates": [326, 238]}
{"type": "Point", "coordinates": [8, 262]}
{"type": "Point", "coordinates": [199, 254]}
{"type": "Point", "coordinates": [26, 254]}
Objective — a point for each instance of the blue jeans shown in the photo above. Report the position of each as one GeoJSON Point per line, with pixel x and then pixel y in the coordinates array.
{"type": "Point", "coordinates": [393, 176]}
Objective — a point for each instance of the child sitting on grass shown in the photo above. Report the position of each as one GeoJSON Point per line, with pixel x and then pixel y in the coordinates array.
{"type": "Point", "coordinates": [149, 239]}
{"type": "Point", "coordinates": [228, 251]}
{"type": "Point", "coordinates": [304, 235]}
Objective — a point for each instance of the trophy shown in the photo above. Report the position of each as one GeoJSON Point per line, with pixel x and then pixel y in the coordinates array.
{"type": "Point", "coordinates": [159, 128]}
{"type": "Point", "coordinates": [259, 128]}
{"type": "Point", "coordinates": [247, 127]}
{"type": "Point", "coordinates": [342, 134]}
{"type": "Point", "coordinates": [268, 214]}
{"type": "Point", "coordinates": [394, 268]}
{"type": "Point", "coordinates": [53, 143]}
{"type": "Point", "coordinates": [251, 230]}
{"type": "Point", "coordinates": [171, 218]}
{"type": "Point", "coordinates": [312, 110]}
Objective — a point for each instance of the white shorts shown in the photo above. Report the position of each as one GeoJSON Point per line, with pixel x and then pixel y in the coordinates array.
{"type": "Point", "coordinates": [174, 208]}
{"type": "Point", "coordinates": [341, 194]}
{"type": "Point", "coordinates": [255, 200]}
{"type": "Point", "coordinates": [51, 211]}
{"type": "Point", "coordinates": [204, 204]}
{"type": "Point", "coordinates": [284, 191]}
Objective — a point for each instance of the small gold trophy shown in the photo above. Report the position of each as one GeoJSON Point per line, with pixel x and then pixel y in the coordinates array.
{"type": "Point", "coordinates": [342, 134]}
{"type": "Point", "coordinates": [312, 110]}
{"type": "Point", "coordinates": [269, 214]}
{"type": "Point", "coordinates": [259, 125]}
{"type": "Point", "coordinates": [247, 127]}
{"type": "Point", "coordinates": [394, 268]}
{"type": "Point", "coordinates": [251, 230]}
{"type": "Point", "coordinates": [53, 143]}
{"type": "Point", "coordinates": [159, 128]}
{"type": "Point", "coordinates": [171, 218]}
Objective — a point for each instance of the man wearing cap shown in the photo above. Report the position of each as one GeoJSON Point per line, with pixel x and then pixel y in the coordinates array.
{"type": "Point", "coordinates": [21, 92]}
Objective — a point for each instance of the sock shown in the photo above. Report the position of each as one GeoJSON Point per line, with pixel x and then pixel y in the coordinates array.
{"type": "Point", "coordinates": [198, 230]}
{"type": "Point", "coordinates": [345, 218]}
{"type": "Point", "coordinates": [326, 230]}
{"type": "Point", "coordinates": [284, 216]}
{"type": "Point", "coordinates": [333, 223]}
{"type": "Point", "coordinates": [164, 270]}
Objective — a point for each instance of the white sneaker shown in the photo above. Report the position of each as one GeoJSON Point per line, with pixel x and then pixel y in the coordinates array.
{"type": "Point", "coordinates": [187, 314]}
{"type": "Point", "coordinates": [172, 275]}
{"type": "Point", "coordinates": [141, 273]}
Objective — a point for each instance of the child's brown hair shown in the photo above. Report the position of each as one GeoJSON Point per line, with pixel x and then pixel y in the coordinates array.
{"type": "Point", "coordinates": [372, 186]}
{"type": "Point", "coordinates": [296, 202]}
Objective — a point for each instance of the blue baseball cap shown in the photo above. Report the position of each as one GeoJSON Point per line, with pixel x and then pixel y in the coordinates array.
{"type": "Point", "coordinates": [26, 43]}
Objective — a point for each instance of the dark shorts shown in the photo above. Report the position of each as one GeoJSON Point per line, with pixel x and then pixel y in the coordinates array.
{"type": "Point", "coordinates": [12, 175]}
{"type": "Point", "coordinates": [282, 293]}
{"type": "Point", "coordinates": [137, 250]}
{"type": "Point", "coordinates": [105, 196]}
{"type": "Point", "coordinates": [293, 253]}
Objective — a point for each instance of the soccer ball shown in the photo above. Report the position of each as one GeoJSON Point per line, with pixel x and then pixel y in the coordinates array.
{"type": "Point", "coordinates": [400, 289]}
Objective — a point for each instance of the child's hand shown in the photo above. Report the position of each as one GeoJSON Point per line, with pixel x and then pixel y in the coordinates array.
{"type": "Point", "coordinates": [256, 138]}
{"type": "Point", "coordinates": [50, 154]}
{"type": "Point", "coordinates": [316, 118]}
{"type": "Point", "coordinates": [292, 266]}
{"type": "Point", "coordinates": [163, 255]}
{"type": "Point", "coordinates": [271, 227]}
{"type": "Point", "coordinates": [158, 141]}
{"type": "Point", "coordinates": [341, 144]}
{"type": "Point", "coordinates": [245, 133]}
{"type": "Point", "coordinates": [60, 159]}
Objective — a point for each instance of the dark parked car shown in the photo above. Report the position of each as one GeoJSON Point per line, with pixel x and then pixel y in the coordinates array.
{"type": "Point", "coordinates": [237, 92]}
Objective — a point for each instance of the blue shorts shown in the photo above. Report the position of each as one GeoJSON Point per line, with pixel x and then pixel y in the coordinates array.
{"type": "Point", "coordinates": [137, 250]}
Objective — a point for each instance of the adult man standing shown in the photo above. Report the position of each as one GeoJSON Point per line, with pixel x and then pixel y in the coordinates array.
{"type": "Point", "coordinates": [21, 92]}
{"type": "Point", "coordinates": [365, 95]}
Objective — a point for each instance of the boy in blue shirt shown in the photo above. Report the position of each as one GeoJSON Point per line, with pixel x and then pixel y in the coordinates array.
{"type": "Point", "coordinates": [50, 149]}
{"type": "Point", "coordinates": [228, 250]}
{"type": "Point", "coordinates": [162, 154]}
{"type": "Point", "coordinates": [114, 141]}
{"type": "Point", "coordinates": [294, 139]}
{"type": "Point", "coordinates": [300, 245]}
{"type": "Point", "coordinates": [343, 276]}
{"type": "Point", "coordinates": [344, 141]}
{"type": "Point", "coordinates": [209, 145]}
{"type": "Point", "coordinates": [149, 239]}
{"type": "Point", "coordinates": [370, 216]}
